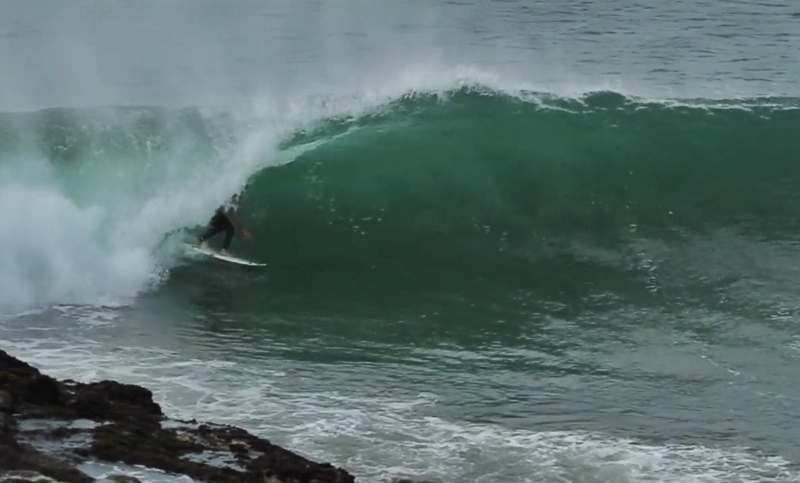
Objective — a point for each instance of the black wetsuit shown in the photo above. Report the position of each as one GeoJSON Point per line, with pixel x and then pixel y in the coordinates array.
{"type": "Point", "coordinates": [219, 223]}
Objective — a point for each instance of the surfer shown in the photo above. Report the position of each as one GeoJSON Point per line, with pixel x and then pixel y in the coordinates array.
{"type": "Point", "coordinates": [221, 221]}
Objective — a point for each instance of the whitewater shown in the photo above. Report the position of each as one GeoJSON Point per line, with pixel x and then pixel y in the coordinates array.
{"type": "Point", "coordinates": [505, 241]}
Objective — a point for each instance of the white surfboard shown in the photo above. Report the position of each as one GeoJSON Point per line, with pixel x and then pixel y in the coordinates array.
{"type": "Point", "coordinates": [224, 258]}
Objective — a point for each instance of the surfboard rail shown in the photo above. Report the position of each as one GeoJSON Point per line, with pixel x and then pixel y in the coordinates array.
{"type": "Point", "coordinates": [224, 258]}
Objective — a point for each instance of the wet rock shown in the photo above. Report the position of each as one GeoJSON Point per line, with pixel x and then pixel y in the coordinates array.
{"type": "Point", "coordinates": [8, 431]}
{"type": "Point", "coordinates": [42, 390]}
{"type": "Point", "coordinates": [129, 427]}
{"type": "Point", "coordinates": [9, 363]}
{"type": "Point", "coordinates": [123, 479]}
{"type": "Point", "coordinates": [26, 458]}
{"type": "Point", "coordinates": [25, 381]}
{"type": "Point", "coordinates": [112, 400]}
{"type": "Point", "coordinates": [6, 402]}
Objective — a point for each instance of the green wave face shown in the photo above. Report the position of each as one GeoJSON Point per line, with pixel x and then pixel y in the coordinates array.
{"type": "Point", "coordinates": [481, 178]}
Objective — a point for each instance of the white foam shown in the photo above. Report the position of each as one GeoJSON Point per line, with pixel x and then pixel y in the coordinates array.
{"type": "Point", "coordinates": [102, 472]}
{"type": "Point", "coordinates": [51, 253]}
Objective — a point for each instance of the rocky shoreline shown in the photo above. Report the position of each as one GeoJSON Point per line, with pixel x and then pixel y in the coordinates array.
{"type": "Point", "coordinates": [49, 428]}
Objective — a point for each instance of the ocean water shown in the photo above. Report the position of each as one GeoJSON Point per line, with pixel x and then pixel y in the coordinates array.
{"type": "Point", "coordinates": [506, 241]}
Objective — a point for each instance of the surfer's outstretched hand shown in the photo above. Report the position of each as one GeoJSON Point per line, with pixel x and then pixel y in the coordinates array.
{"type": "Point", "coordinates": [247, 234]}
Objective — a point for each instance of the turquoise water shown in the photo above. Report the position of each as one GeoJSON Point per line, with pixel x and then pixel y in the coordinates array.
{"type": "Point", "coordinates": [505, 241]}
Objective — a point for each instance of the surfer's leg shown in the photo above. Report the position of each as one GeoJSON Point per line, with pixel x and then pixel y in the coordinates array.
{"type": "Point", "coordinates": [217, 224]}
{"type": "Point", "coordinates": [210, 232]}
{"type": "Point", "coordinates": [229, 232]}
